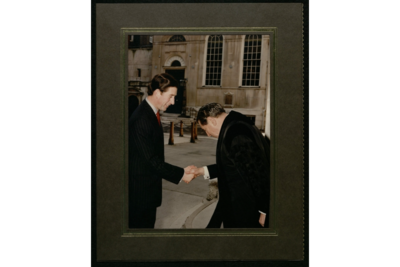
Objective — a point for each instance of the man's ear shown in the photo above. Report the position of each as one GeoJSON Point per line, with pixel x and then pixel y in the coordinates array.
{"type": "Point", "coordinates": [157, 92]}
{"type": "Point", "coordinates": [212, 120]}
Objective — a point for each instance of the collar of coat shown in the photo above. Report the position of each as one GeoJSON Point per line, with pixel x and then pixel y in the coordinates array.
{"type": "Point", "coordinates": [233, 116]}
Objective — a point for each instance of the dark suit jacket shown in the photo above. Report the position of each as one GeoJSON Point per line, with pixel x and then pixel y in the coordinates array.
{"type": "Point", "coordinates": [146, 160]}
{"type": "Point", "coordinates": [243, 171]}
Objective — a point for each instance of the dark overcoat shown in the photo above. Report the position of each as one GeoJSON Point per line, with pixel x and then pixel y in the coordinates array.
{"type": "Point", "coordinates": [147, 164]}
{"type": "Point", "coordinates": [243, 171]}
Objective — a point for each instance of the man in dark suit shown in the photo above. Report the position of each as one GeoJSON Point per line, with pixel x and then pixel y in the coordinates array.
{"type": "Point", "coordinates": [242, 169]}
{"type": "Point", "coordinates": [147, 164]}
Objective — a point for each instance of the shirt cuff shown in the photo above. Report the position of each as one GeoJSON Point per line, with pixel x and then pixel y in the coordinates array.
{"type": "Point", "coordinates": [206, 173]}
{"type": "Point", "coordinates": [182, 176]}
{"type": "Point", "coordinates": [262, 212]}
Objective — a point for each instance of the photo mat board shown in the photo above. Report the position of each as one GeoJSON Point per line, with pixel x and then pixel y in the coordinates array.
{"type": "Point", "coordinates": [284, 242]}
{"type": "Point", "coordinates": [163, 54]}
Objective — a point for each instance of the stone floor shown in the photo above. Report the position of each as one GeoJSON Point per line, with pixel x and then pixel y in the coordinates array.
{"type": "Point", "coordinates": [185, 205]}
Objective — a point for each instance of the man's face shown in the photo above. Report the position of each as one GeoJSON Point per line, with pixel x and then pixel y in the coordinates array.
{"type": "Point", "coordinates": [211, 128]}
{"type": "Point", "coordinates": [167, 98]}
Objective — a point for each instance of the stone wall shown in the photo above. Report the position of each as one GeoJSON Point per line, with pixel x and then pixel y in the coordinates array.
{"type": "Point", "coordinates": [191, 54]}
{"type": "Point", "coordinates": [140, 59]}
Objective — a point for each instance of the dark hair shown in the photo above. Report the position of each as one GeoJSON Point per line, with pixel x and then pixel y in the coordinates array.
{"type": "Point", "coordinates": [161, 81]}
{"type": "Point", "coordinates": [209, 110]}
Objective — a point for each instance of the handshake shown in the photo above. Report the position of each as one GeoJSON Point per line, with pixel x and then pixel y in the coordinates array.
{"type": "Point", "coordinates": [192, 172]}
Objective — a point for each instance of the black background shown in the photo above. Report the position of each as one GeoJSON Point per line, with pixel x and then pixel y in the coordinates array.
{"type": "Point", "coordinates": [92, 147]}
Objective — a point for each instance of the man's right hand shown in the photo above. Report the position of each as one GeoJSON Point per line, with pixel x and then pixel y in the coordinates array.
{"type": "Point", "coordinates": [196, 171]}
{"type": "Point", "coordinates": [187, 177]}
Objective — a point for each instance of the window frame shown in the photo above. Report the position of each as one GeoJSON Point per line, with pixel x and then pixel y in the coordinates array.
{"type": "Point", "coordinates": [242, 62]}
{"type": "Point", "coordinates": [204, 82]}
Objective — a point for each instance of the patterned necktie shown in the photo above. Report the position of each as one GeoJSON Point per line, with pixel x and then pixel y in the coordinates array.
{"type": "Point", "coordinates": [158, 118]}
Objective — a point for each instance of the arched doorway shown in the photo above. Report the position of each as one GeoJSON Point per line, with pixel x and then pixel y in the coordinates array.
{"type": "Point", "coordinates": [179, 99]}
{"type": "Point", "coordinates": [176, 67]}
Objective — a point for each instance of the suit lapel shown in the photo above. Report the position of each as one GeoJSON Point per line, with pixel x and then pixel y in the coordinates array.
{"type": "Point", "coordinates": [150, 112]}
{"type": "Point", "coordinates": [153, 120]}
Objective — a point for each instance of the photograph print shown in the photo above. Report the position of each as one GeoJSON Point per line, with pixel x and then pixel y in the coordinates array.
{"type": "Point", "coordinates": [198, 126]}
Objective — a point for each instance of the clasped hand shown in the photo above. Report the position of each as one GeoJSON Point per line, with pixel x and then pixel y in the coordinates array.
{"type": "Point", "coordinates": [192, 172]}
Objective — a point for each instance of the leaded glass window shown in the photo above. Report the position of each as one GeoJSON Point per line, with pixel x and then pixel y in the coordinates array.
{"type": "Point", "coordinates": [251, 60]}
{"type": "Point", "coordinates": [214, 60]}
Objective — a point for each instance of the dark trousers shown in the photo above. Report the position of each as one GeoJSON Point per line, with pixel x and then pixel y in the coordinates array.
{"type": "Point", "coordinates": [139, 218]}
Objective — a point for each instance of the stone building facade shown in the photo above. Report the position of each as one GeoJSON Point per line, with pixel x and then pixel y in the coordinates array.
{"type": "Point", "coordinates": [233, 70]}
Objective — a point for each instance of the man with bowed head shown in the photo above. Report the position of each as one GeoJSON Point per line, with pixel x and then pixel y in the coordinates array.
{"type": "Point", "coordinates": [147, 164]}
{"type": "Point", "coordinates": [242, 169]}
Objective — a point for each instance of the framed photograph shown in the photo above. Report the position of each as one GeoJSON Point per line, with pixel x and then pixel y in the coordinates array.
{"type": "Point", "coordinates": [250, 58]}
{"type": "Point", "coordinates": [231, 67]}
